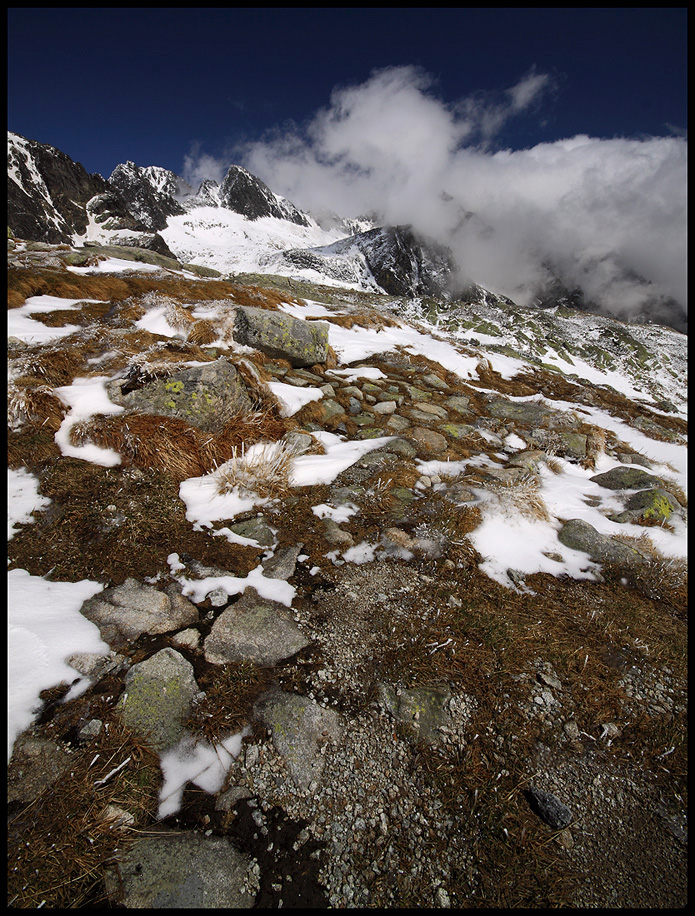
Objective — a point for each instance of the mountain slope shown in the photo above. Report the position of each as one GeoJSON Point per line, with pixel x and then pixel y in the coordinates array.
{"type": "Point", "coordinates": [423, 600]}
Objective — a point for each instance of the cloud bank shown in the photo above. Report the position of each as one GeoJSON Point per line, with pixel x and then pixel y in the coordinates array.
{"type": "Point", "coordinates": [608, 215]}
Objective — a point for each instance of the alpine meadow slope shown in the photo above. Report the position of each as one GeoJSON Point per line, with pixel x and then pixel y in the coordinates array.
{"type": "Point", "coordinates": [334, 578]}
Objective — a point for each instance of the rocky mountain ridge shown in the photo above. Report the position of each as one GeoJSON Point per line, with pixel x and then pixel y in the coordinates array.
{"type": "Point", "coordinates": [321, 684]}
{"type": "Point", "coordinates": [52, 199]}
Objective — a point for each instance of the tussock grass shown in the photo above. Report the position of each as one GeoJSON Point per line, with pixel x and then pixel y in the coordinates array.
{"type": "Point", "coordinates": [520, 495]}
{"type": "Point", "coordinates": [263, 471]}
{"type": "Point", "coordinates": [202, 332]}
{"type": "Point", "coordinates": [34, 403]}
{"type": "Point", "coordinates": [172, 445]}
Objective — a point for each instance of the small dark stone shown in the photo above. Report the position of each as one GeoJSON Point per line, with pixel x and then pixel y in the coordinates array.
{"type": "Point", "coordinates": [549, 808]}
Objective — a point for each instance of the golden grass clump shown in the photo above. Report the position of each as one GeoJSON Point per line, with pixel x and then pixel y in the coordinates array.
{"type": "Point", "coordinates": [263, 469]}
{"type": "Point", "coordinates": [202, 332]}
{"type": "Point", "coordinates": [522, 495]}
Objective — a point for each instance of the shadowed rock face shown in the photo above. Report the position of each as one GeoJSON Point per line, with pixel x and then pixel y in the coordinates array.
{"type": "Point", "coordinates": [248, 195]}
{"type": "Point", "coordinates": [55, 210]}
{"type": "Point", "coordinates": [303, 343]}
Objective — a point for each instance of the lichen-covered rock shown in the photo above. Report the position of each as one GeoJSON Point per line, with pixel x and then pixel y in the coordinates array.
{"type": "Point", "coordinates": [420, 710]}
{"type": "Point", "coordinates": [580, 535]}
{"type": "Point", "coordinates": [206, 397]}
{"type": "Point", "coordinates": [181, 871]}
{"type": "Point", "coordinates": [627, 478]}
{"type": "Point", "coordinates": [157, 699]}
{"type": "Point", "coordinates": [528, 413]}
{"type": "Point", "coordinates": [302, 343]}
{"type": "Point", "coordinates": [652, 505]}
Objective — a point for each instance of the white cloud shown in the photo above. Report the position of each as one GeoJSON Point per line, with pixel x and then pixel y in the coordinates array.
{"type": "Point", "coordinates": [602, 212]}
{"type": "Point", "coordinates": [199, 167]}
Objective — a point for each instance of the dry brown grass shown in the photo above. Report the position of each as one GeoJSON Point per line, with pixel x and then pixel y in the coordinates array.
{"type": "Point", "coordinates": [24, 283]}
{"type": "Point", "coordinates": [60, 844]}
{"type": "Point", "coordinates": [262, 297]}
{"type": "Point", "coordinates": [202, 332]}
{"type": "Point", "coordinates": [368, 319]}
{"type": "Point", "coordinates": [34, 402]}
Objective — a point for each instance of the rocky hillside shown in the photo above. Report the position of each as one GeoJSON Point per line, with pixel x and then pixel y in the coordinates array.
{"type": "Point", "coordinates": [339, 598]}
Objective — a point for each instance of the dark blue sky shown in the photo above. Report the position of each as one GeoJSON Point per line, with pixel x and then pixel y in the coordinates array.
{"type": "Point", "coordinates": [108, 85]}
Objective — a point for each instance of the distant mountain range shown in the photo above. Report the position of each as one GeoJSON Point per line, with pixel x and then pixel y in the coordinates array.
{"type": "Point", "coordinates": [241, 225]}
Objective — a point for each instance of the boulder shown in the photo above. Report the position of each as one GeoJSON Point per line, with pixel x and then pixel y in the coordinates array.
{"type": "Point", "coordinates": [157, 699]}
{"type": "Point", "coordinates": [127, 611]}
{"type": "Point", "coordinates": [528, 413]}
{"type": "Point", "coordinates": [299, 729]}
{"type": "Point", "coordinates": [580, 535]}
{"type": "Point", "coordinates": [206, 397]}
{"type": "Point", "coordinates": [627, 478]}
{"type": "Point", "coordinates": [280, 336]}
{"type": "Point", "coordinates": [254, 629]}
{"type": "Point", "coordinates": [180, 871]}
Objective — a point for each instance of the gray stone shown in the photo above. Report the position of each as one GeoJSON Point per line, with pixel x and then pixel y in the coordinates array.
{"type": "Point", "coordinates": [254, 629]}
{"type": "Point", "coordinates": [127, 611]}
{"type": "Point", "coordinates": [300, 729]}
{"type": "Point", "coordinates": [36, 764]}
{"type": "Point", "coordinates": [572, 444]}
{"type": "Point", "coordinates": [427, 441]}
{"type": "Point", "coordinates": [458, 402]}
{"type": "Point", "coordinates": [627, 478]}
{"type": "Point", "coordinates": [302, 343]}
{"type": "Point", "coordinates": [282, 564]}
{"type": "Point", "coordinates": [157, 699]}
{"type": "Point", "coordinates": [530, 413]}
{"type": "Point", "coordinates": [256, 529]}
{"type": "Point", "coordinates": [435, 409]}
{"type": "Point", "coordinates": [434, 381]}
{"type": "Point", "coordinates": [385, 407]}
{"type": "Point", "coordinates": [206, 397]}
{"type": "Point", "coordinates": [335, 535]}
{"type": "Point", "coordinates": [181, 871]}
{"type": "Point", "coordinates": [580, 535]}
{"type": "Point", "coordinates": [400, 447]}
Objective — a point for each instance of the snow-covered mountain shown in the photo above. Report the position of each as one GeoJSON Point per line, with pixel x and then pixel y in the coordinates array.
{"type": "Point", "coordinates": [241, 225]}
